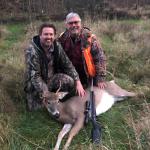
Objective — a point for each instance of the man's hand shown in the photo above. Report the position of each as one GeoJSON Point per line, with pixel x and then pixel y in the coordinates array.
{"type": "Point", "coordinates": [79, 88]}
{"type": "Point", "coordinates": [101, 84]}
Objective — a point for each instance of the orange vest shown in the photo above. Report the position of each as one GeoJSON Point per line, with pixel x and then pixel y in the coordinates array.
{"type": "Point", "coordinates": [88, 58]}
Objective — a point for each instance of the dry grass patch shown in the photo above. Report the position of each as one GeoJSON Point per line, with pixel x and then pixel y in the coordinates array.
{"type": "Point", "coordinates": [3, 32]}
{"type": "Point", "coordinates": [140, 124]}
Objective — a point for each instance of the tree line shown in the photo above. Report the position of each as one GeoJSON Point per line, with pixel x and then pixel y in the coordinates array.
{"type": "Point", "coordinates": [57, 9]}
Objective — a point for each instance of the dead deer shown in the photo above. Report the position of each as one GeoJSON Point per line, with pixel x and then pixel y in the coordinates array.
{"type": "Point", "coordinates": [71, 112]}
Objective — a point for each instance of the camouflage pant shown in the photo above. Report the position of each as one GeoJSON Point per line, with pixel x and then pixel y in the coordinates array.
{"type": "Point", "coordinates": [67, 84]}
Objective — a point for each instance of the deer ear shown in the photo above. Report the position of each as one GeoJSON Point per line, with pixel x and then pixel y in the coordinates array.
{"type": "Point", "coordinates": [62, 94]}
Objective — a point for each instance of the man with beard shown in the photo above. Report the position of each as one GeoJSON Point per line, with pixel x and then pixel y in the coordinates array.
{"type": "Point", "coordinates": [48, 67]}
{"type": "Point", "coordinates": [74, 41]}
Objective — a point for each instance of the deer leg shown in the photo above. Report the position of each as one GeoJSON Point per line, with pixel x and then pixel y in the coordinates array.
{"type": "Point", "coordinates": [66, 128]}
{"type": "Point", "coordinates": [75, 129]}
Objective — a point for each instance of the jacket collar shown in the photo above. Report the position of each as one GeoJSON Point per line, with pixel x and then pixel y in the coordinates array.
{"type": "Point", "coordinates": [37, 44]}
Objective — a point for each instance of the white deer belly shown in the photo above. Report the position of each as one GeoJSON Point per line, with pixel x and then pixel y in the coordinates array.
{"type": "Point", "coordinates": [106, 103]}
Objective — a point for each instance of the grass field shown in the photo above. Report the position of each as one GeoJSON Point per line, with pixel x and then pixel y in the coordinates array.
{"type": "Point", "coordinates": [124, 127]}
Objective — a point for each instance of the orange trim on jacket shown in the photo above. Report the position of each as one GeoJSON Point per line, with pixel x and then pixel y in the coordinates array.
{"type": "Point", "coordinates": [88, 58]}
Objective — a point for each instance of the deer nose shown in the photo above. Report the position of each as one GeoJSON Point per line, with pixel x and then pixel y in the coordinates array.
{"type": "Point", "coordinates": [57, 115]}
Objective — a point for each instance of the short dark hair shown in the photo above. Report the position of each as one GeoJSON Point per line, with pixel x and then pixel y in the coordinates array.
{"type": "Point", "coordinates": [44, 25]}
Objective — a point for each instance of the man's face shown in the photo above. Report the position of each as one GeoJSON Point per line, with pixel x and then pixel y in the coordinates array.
{"type": "Point", "coordinates": [74, 26]}
{"type": "Point", "coordinates": [47, 37]}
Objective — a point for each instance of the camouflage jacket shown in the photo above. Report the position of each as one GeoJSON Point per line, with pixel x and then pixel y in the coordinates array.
{"type": "Point", "coordinates": [37, 65]}
{"type": "Point", "coordinates": [74, 50]}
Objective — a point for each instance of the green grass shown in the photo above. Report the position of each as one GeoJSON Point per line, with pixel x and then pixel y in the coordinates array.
{"type": "Point", "coordinates": [22, 130]}
{"type": "Point", "coordinates": [107, 42]}
{"type": "Point", "coordinates": [16, 33]}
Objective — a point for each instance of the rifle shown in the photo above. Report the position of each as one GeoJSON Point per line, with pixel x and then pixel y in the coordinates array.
{"type": "Point", "coordinates": [91, 115]}
{"type": "Point", "coordinates": [90, 112]}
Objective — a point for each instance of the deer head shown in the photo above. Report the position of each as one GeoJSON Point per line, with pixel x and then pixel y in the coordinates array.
{"type": "Point", "coordinates": [51, 102]}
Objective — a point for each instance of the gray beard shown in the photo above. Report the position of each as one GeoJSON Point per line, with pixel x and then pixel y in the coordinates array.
{"type": "Point", "coordinates": [74, 35]}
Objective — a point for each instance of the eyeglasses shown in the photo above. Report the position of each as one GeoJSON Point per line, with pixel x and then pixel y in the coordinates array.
{"type": "Point", "coordinates": [74, 22]}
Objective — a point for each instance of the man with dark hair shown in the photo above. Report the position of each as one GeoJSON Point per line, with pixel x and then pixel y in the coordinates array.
{"type": "Point", "coordinates": [48, 67]}
{"type": "Point", "coordinates": [75, 41]}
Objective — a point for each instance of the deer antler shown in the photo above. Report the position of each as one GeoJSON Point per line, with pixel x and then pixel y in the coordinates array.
{"type": "Point", "coordinates": [107, 72]}
{"type": "Point", "coordinates": [111, 74]}
{"type": "Point", "coordinates": [59, 87]}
